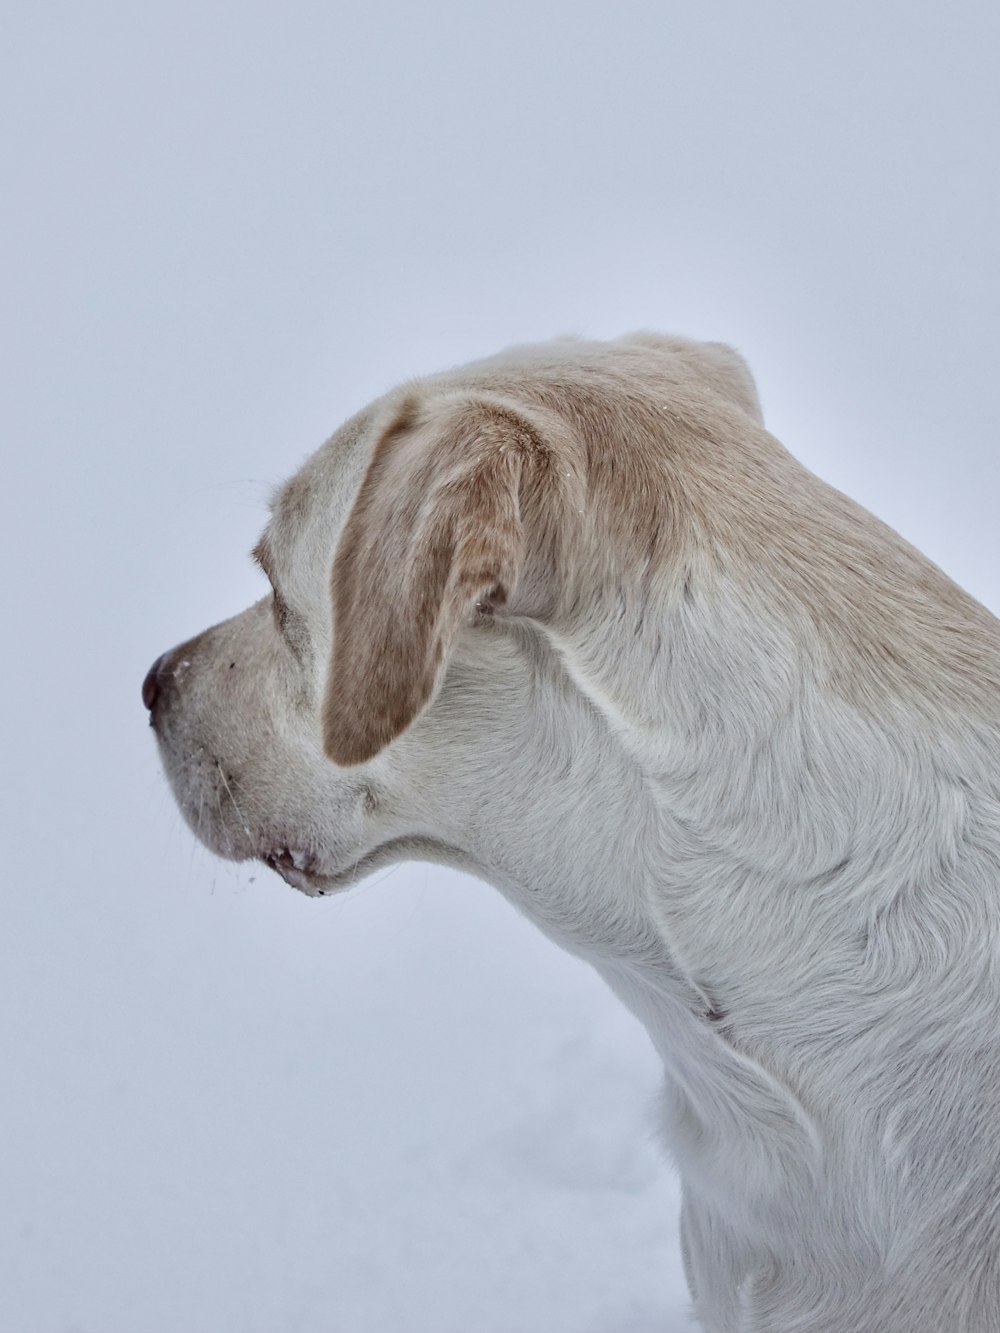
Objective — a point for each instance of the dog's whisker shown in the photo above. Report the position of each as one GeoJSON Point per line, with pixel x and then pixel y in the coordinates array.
{"type": "Point", "coordinates": [225, 782]}
{"type": "Point", "coordinates": [379, 880]}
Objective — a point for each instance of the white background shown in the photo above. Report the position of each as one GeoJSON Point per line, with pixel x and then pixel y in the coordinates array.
{"type": "Point", "coordinates": [225, 1108]}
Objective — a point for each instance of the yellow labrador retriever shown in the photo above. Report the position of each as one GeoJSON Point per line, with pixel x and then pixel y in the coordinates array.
{"type": "Point", "coordinates": [572, 620]}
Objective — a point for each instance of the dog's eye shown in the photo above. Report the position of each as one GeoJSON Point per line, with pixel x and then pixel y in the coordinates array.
{"type": "Point", "coordinates": [290, 626]}
{"type": "Point", "coordinates": [279, 607]}
{"type": "Point", "coordinates": [286, 622]}
{"type": "Point", "coordinates": [262, 558]}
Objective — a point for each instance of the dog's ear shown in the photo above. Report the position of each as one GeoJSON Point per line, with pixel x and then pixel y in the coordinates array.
{"type": "Point", "coordinates": [435, 538]}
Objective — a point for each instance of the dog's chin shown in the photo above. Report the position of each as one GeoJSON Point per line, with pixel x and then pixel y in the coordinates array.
{"type": "Point", "coordinates": [299, 869]}
{"type": "Point", "coordinates": [319, 875]}
{"type": "Point", "coordinates": [303, 871]}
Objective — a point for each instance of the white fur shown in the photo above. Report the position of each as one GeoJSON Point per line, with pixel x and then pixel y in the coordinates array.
{"type": "Point", "coordinates": [780, 850]}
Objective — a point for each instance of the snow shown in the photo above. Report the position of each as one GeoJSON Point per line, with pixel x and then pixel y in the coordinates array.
{"type": "Point", "coordinates": [226, 1107]}
{"type": "Point", "coordinates": [408, 1111]}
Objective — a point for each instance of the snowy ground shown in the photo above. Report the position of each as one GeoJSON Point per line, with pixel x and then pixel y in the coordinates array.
{"type": "Point", "coordinates": [226, 226]}
{"type": "Point", "coordinates": [400, 1110]}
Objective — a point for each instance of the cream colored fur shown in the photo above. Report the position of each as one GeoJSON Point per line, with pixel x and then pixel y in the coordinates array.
{"type": "Point", "coordinates": [571, 620]}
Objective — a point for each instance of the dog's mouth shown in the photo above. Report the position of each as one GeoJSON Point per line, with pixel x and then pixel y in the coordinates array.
{"type": "Point", "coordinates": [298, 868]}
{"type": "Point", "coordinates": [302, 870]}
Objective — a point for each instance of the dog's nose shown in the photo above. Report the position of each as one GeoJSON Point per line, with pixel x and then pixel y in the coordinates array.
{"type": "Point", "coordinates": [153, 683]}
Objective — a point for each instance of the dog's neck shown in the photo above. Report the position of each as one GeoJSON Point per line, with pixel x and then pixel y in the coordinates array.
{"type": "Point", "coordinates": [735, 787]}
{"type": "Point", "coordinates": [732, 770]}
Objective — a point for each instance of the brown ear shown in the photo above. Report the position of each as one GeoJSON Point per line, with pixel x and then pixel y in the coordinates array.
{"type": "Point", "coordinates": [436, 530]}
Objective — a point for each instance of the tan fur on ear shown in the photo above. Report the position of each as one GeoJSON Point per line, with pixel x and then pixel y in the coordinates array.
{"type": "Point", "coordinates": [435, 530]}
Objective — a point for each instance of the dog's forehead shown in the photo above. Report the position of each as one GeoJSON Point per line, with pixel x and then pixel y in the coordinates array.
{"type": "Point", "coordinates": [312, 505]}
{"type": "Point", "coordinates": [317, 498]}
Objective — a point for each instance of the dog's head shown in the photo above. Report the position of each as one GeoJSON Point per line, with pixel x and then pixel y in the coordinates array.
{"type": "Point", "coordinates": [424, 677]}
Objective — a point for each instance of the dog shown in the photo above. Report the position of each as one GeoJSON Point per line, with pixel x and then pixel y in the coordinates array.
{"type": "Point", "coordinates": [570, 619]}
